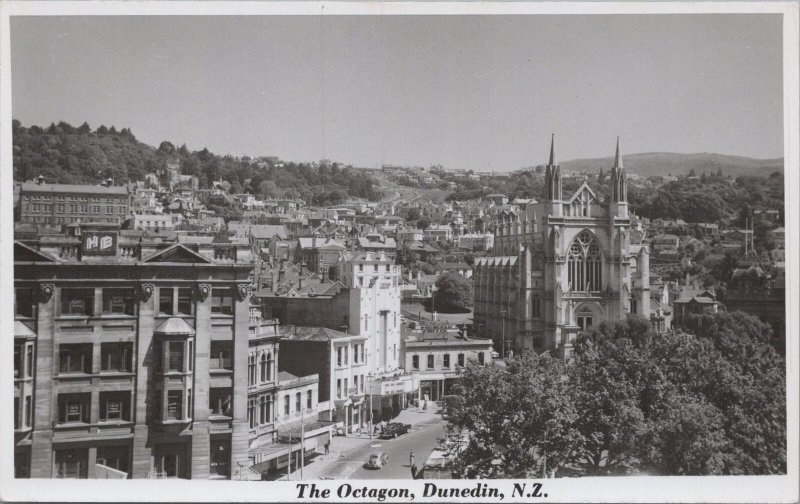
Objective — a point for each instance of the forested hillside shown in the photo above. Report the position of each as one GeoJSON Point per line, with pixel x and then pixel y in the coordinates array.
{"type": "Point", "coordinates": [66, 154]}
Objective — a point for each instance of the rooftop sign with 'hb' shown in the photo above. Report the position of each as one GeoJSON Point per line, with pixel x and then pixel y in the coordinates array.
{"type": "Point", "coordinates": [99, 243]}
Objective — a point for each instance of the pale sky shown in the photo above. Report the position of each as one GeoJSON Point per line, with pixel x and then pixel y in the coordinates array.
{"type": "Point", "coordinates": [479, 92]}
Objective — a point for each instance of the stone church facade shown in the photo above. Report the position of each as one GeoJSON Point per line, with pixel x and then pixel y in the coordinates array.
{"type": "Point", "coordinates": [561, 266]}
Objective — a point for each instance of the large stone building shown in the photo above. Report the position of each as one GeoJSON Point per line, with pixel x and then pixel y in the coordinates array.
{"type": "Point", "coordinates": [561, 266]}
{"type": "Point", "coordinates": [42, 203]}
{"type": "Point", "coordinates": [132, 362]}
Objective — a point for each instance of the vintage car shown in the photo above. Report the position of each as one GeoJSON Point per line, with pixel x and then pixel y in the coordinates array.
{"type": "Point", "coordinates": [394, 429]}
{"type": "Point", "coordinates": [377, 460]}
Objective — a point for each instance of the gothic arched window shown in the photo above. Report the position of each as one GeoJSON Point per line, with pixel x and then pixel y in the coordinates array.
{"type": "Point", "coordinates": [585, 263]}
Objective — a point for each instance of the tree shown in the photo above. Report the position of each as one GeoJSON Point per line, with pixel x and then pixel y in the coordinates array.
{"type": "Point", "coordinates": [521, 418]}
{"type": "Point", "coordinates": [423, 223]}
{"type": "Point", "coordinates": [453, 294]}
{"type": "Point", "coordinates": [413, 214]}
{"type": "Point", "coordinates": [712, 402]}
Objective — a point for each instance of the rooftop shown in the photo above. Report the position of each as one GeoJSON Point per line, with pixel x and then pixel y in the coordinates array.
{"type": "Point", "coordinates": [73, 188]}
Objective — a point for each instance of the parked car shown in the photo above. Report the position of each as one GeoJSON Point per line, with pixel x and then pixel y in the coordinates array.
{"type": "Point", "coordinates": [377, 460]}
{"type": "Point", "coordinates": [394, 429]}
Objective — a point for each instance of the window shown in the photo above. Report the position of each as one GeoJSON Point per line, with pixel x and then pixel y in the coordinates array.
{"type": "Point", "coordinates": [29, 360]}
{"type": "Point", "coordinates": [584, 263]}
{"type": "Point", "coordinates": [116, 356]}
{"type": "Point", "coordinates": [189, 404]}
{"type": "Point", "coordinates": [77, 302]}
{"type": "Point", "coordinates": [115, 406]}
{"type": "Point", "coordinates": [17, 361]}
{"type": "Point", "coordinates": [265, 409]}
{"type": "Point", "coordinates": [346, 388]}
{"type": "Point", "coordinates": [75, 358]}
{"type": "Point", "coordinates": [175, 356]}
{"type": "Point", "coordinates": [109, 209]}
{"type": "Point", "coordinates": [220, 357]}
{"type": "Point", "coordinates": [168, 461]}
{"type": "Point", "coordinates": [220, 457]}
{"type": "Point", "coordinates": [251, 413]}
{"type": "Point", "coordinates": [446, 361]}
{"type": "Point", "coordinates": [23, 302]}
{"type": "Point", "coordinates": [222, 301]}
{"type": "Point", "coordinates": [191, 354]}
{"type": "Point", "coordinates": [345, 356]}
{"type": "Point", "coordinates": [16, 412]}
{"type": "Point", "coordinates": [28, 411]}
{"type": "Point", "coordinates": [286, 405]}
{"type": "Point", "coordinates": [361, 383]}
{"type": "Point", "coordinates": [461, 359]}
{"type": "Point", "coordinates": [71, 464]}
{"type": "Point", "coordinates": [165, 300]}
{"type": "Point", "coordinates": [174, 405]}
{"type": "Point", "coordinates": [298, 402]}
{"type": "Point", "coordinates": [185, 301]}
{"type": "Point", "coordinates": [251, 369]}
{"type": "Point", "coordinates": [355, 383]}
{"type": "Point", "coordinates": [220, 401]}
{"type": "Point", "coordinates": [363, 354]}
{"type": "Point", "coordinates": [115, 457]}
{"type": "Point", "coordinates": [339, 356]}
{"type": "Point", "coordinates": [309, 400]}
{"type": "Point", "coordinates": [480, 358]}
{"type": "Point", "coordinates": [536, 308]}
{"type": "Point", "coordinates": [338, 387]}
{"type": "Point", "coordinates": [74, 408]}
{"type": "Point", "coordinates": [415, 362]}
{"type": "Point", "coordinates": [430, 361]}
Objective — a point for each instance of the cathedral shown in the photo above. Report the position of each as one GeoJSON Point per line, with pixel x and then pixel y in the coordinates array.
{"type": "Point", "coordinates": [561, 266]}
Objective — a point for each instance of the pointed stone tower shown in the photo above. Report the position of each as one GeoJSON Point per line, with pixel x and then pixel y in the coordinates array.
{"type": "Point", "coordinates": [619, 187]}
{"type": "Point", "coordinates": [552, 182]}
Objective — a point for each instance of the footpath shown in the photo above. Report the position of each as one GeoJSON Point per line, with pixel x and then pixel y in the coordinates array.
{"type": "Point", "coordinates": [341, 446]}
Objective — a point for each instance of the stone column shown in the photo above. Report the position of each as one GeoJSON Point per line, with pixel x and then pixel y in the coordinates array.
{"type": "Point", "coordinates": [200, 391]}
{"type": "Point", "coordinates": [145, 396]}
{"type": "Point", "coordinates": [240, 441]}
{"type": "Point", "coordinates": [46, 405]}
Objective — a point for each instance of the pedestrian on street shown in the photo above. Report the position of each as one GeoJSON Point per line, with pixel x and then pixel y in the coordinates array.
{"type": "Point", "coordinates": [327, 448]}
{"type": "Point", "coordinates": [411, 459]}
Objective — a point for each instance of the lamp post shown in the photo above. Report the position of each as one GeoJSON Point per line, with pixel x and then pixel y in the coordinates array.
{"type": "Point", "coordinates": [369, 391]}
{"type": "Point", "coordinates": [503, 334]}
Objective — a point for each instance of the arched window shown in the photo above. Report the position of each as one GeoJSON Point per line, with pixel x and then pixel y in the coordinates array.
{"type": "Point", "coordinates": [264, 373]}
{"type": "Point", "coordinates": [270, 375]}
{"type": "Point", "coordinates": [585, 263]}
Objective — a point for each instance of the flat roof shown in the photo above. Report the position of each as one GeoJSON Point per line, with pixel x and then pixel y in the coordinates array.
{"type": "Point", "coordinates": [73, 188]}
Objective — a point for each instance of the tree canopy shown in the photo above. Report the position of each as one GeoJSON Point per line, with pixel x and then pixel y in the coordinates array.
{"type": "Point", "coordinates": [453, 294]}
{"type": "Point", "coordinates": [704, 402]}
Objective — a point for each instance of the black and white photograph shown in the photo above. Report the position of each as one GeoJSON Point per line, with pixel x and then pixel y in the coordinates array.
{"type": "Point", "coordinates": [399, 252]}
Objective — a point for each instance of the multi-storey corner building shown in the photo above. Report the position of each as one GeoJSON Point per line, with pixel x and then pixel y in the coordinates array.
{"type": "Point", "coordinates": [130, 364]}
{"type": "Point", "coordinates": [365, 302]}
{"type": "Point", "coordinates": [42, 203]}
{"type": "Point", "coordinates": [561, 266]}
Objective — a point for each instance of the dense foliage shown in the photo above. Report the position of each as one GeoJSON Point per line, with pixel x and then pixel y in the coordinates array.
{"type": "Point", "coordinates": [708, 402]}
{"type": "Point", "coordinates": [65, 154]}
{"type": "Point", "coordinates": [453, 294]}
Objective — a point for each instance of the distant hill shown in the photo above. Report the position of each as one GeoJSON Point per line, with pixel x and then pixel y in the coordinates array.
{"type": "Point", "coordinates": [665, 163]}
{"type": "Point", "coordinates": [65, 154]}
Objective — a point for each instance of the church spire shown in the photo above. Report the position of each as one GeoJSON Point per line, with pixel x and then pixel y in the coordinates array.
{"type": "Point", "coordinates": [552, 174]}
{"type": "Point", "coordinates": [618, 158]}
{"type": "Point", "coordinates": [619, 183]}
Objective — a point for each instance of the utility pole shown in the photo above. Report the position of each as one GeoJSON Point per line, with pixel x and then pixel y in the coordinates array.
{"type": "Point", "coordinates": [369, 391]}
{"type": "Point", "coordinates": [289, 459]}
{"type": "Point", "coordinates": [503, 335]}
{"type": "Point", "coordinates": [302, 442]}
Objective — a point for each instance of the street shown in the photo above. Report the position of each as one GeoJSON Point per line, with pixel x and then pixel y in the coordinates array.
{"type": "Point", "coordinates": [421, 440]}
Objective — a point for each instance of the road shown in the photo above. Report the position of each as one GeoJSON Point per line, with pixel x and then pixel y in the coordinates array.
{"type": "Point", "coordinates": [421, 440]}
